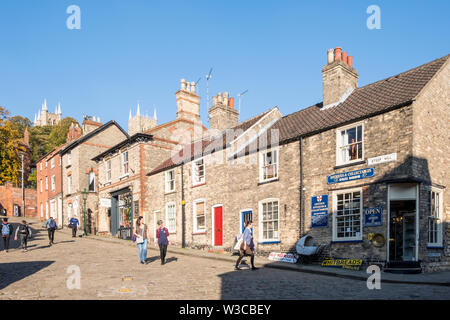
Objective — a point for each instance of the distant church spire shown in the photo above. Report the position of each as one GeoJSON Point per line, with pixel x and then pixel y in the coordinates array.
{"type": "Point", "coordinates": [44, 105]}
{"type": "Point", "coordinates": [129, 118]}
{"type": "Point", "coordinates": [59, 107]}
{"type": "Point", "coordinates": [154, 113]}
{"type": "Point", "coordinates": [138, 111]}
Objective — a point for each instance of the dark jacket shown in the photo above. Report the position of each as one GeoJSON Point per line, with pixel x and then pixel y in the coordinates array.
{"type": "Point", "coordinates": [161, 238]}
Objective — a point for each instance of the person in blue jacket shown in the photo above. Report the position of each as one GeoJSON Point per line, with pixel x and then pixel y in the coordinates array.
{"type": "Point", "coordinates": [74, 223]}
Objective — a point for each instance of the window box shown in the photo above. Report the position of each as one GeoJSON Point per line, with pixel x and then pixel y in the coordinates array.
{"type": "Point", "coordinates": [350, 144]}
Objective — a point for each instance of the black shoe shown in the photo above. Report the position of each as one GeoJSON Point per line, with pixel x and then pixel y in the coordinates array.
{"type": "Point", "coordinates": [255, 268]}
{"type": "Point", "coordinates": [142, 262]}
{"type": "Point", "coordinates": [146, 262]}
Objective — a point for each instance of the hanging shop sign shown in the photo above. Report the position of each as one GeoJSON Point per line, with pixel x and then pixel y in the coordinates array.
{"type": "Point", "coordinates": [283, 257]}
{"type": "Point", "coordinates": [105, 202]}
{"type": "Point", "coordinates": [382, 159]}
{"type": "Point", "coordinates": [352, 175]}
{"type": "Point", "coordinates": [353, 264]}
{"type": "Point", "coordinates": [319, 211]}
{"type": "Point", "coordinates": [373, 217]}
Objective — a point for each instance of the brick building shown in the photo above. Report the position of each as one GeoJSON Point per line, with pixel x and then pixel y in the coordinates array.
{"type": "Point", "coordinates": [122, 168]}
{"type": "Point", "coordinates": [364, 172]}
{"type": "Point", "coordinates": [80, 173]}
{"type": "Point", "coordinates": [11, 201]}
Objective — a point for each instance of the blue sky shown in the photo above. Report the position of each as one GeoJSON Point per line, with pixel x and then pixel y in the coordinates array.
{"type": "Point", "coordinates": [140, 49]}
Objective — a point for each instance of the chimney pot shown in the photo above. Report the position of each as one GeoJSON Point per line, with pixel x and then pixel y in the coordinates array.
{"type": "Point", "coordinates": [231, 102]}
{"type": "Point", "coordinates": [344, 56]}
{"type": "Point", "coordinates": [330, 55]}
{"type": "Point", "coordinates": [193, 87]}
{"type": "Point", "coordinates": [337, 53]}
{"type": "Point", "coordinates": [350, 61]}
{"type": "Point", "coordinates": [183, 84]}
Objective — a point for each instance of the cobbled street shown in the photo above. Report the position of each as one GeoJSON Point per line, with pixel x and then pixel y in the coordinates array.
{"type": "Point", "coordinates": [111, 270]}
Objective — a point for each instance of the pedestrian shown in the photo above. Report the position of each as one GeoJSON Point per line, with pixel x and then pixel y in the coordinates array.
{"type": "Point", "coordinates": [162, 234]}
{"type": "Point", "coordinates": [50, 224]}
{"type": "Point", "coordinates": [74, 223]}
{"type": "Point", "coordinates": [142, 236]}
{"type": "Point", "coordinates": [24, 231]}
{"type": "Point", "coordinates": [7, 231]}
{"type": "Point", "coordinates": [247, 246]}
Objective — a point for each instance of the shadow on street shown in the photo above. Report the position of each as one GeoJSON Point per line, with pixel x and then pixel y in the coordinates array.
{"type": "Point", "coordinates": [15, 271]}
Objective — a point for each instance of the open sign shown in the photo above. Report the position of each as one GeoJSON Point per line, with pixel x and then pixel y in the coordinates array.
{"type": "Point", "coordinates": [373, 217]}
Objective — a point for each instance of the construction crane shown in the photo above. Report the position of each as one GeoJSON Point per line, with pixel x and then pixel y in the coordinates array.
{"type": "Point", "coordinates": [207, 87]}
{"type": "Point", "coordinates": [239, 97]}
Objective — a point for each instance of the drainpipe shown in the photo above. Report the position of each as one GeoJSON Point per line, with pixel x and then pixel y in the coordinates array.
{"type": "Point", "coordinates": [301, 187]}
{"type": "Point", "coordinates": [183, 206]}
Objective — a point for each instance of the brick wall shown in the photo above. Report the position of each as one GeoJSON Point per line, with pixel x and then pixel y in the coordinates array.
{"type": "Point", "coordinates": [10, 196]}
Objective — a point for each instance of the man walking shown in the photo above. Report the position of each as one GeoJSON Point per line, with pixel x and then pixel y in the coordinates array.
{"type": "Point", "coordinates": [7, 231]}
{"type": "Point", "coordinates": [74, 223]}
{"type": "Point", "coordinates": [51, 227]}
{"type": "Point", "coordinates": [24, 231]}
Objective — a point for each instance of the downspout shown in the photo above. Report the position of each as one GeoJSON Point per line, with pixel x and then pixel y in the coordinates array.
{"type": "Point", "coordinates": [183, 206]}
{"type": "Point", "coordinates": [301, 218]}
{"type": "Point", "coordinates": [62, 190]}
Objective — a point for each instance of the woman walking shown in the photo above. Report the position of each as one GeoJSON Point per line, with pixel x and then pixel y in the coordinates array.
{"type": "Point", "coordinates": [141, 234]}
{"type": "Point", "coordinates": [247, 246]}
{"type": "Point", "coordinates": [24, 232]}
{"type": "Point", "coordinates": [162, 234]}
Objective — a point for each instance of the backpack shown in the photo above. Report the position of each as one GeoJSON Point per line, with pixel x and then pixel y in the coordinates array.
{"type": "Point", "coordinates": [5, 229]}
{"type": "Point", "coordinates": [52, 224]}
{"type": "Point", "coordinates": [24, 229]}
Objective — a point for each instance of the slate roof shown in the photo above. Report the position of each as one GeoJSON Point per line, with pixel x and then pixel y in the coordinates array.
{"type": "Point", "coordinates": [364, 102]}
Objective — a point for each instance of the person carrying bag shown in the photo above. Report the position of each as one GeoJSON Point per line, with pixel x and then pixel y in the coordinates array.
{"type": "Point", "coordinates": [140, 237]}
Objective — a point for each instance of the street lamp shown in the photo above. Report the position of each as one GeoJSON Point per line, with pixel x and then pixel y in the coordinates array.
{"type": "Point", "coordinates": [23, 191]}
{"type": "Point", "coordinates": [84, 195]}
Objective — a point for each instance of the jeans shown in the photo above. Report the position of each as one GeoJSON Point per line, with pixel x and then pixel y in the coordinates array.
{"type": "Point", "coordinates": [74, 231]}
{"type": "Point", "coordinates": [162, 251]}
{"type": "Point", "coordinates": [6, 242]}
{"type": "Point", "coordinates": [142, 250]}
{"type": "Point", "coordinates": [51, 235]}
{"type": "Point", "coordinates": [24, 240]}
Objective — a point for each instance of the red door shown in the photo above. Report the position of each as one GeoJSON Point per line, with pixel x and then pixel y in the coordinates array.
{"type": "Point", "coordinates": [218, 226]}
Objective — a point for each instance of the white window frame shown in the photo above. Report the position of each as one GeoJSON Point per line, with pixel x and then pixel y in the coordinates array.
{"type": "Point", "coordinates": [262, 155]}
{"type": "Point", "coordinates": [167, 181]}
{"type": "Point", "coordinates": [46, 210]}
{"type": "Point", "coordinates": [89, 181]}
{"type": "Point", "coordinates": [439, 217]}
{"type": "Point", "coordinates": [172, 229]}
{"type": "Point", "coordinates": [69, 184]}
{"type": "Point", "coordinates": [40, 166]}
{"type": "Point", "coordinates": [196, 182]}
{"type": "Point", "coordinates": [125, 163]}
{"type": "Point", "coordinates": [155, 221]}
{"type": "Point", "coordinates": [69, 211]}
{"type": "Point", "coordinates": [335, 194]}
{"type": "Point", "coordinates": [42, 210]}
{"type": "Point", "coordinates": [261, 221]}
{"type": "Point", "coordinates": [108, 170]}
{"type": "Point", "coordinates": [69, 158]}
{"type": "Point", "coordinates": [42, 186]}
{"type": "Point", "coordinates": [339, 160]}
{"type": "Point", "coordinates": [46, 183]}
{"type": "Point", "coordinates": [53, 182]}
{"type": "Point", "coordinates": [52, 163]}
{"type": "Point", "coordinates": [194, 215]}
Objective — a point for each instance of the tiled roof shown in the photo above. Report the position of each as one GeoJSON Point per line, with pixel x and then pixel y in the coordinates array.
{"type": "Point", "coordinates": [363, 102]}
{"type": "Point", "coordinates": [191, 151]}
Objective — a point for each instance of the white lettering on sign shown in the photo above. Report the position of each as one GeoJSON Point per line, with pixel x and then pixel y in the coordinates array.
{"type": "Point", "coordinates": [283, 257]}
{"type": "Point", "coordinates": [382, 159]}
{"type": "Point", "coordinates": [105, 202]}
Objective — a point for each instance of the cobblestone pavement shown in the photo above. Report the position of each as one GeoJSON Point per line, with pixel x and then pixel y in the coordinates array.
{"type": "Point", "coordinates": [112, 271]}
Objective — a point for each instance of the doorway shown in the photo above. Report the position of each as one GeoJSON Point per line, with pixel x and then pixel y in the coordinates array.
{"type": "Point", "coordinates": [246, 215]}
{"type": "Point", "coordinates": [218, 225]}
{"type": "Point", "coordinates": [402, 223]}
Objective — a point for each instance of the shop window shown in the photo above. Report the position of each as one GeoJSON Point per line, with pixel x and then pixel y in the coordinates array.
{"type": "Point", "coordinates": [198, 172]}
{"type": "Point", "coordinates": [170, 181]}
{"type": "Point", "coordinates": [125, 219]}
{"type": "Point", "coordinates": [108, 170]}
{"type": "Point", "coordinates": [435, 219]}
{"type": "Point", "coordinates": [269, 220]}
{"type": "Point", "coordinates": [350, 145]}
{"type": "Point", "coordinates": [268, 165]}
{"type": "Point", "coordinates": [199, 216]}
{"type": "Point", "coordinates": [125, 163]}
{"type": "Point", "coordinates": [171, 217]}
{"type": "Point", "coordinates": [347, 215]}
{"type": "Point", "coordinates": [92, 181]}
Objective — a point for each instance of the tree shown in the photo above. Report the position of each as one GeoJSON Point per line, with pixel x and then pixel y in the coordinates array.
{"type": "Point", "coordinates": [58, 133]}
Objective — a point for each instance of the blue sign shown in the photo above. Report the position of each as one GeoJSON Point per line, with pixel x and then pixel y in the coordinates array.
{"type": "Point", "coordinates": [373, 217]}
{"type": "Point", "coordinates": [319, 211]}
{"type": "Point", "coordinates": [352, 175]}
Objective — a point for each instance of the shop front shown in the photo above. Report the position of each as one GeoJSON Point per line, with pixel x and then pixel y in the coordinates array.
{"type": "Point", "coordinates": [121, 219]}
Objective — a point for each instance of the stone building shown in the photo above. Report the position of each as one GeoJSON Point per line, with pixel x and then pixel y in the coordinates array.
{"type": "Point", "coordinates": [365, 173]}
{"type": "Point", "coordinates": [79, 173]}
{"type": "Point", "coordinates": [122, 168]}
{"type": "Point", "coordinates": [45, 118]}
